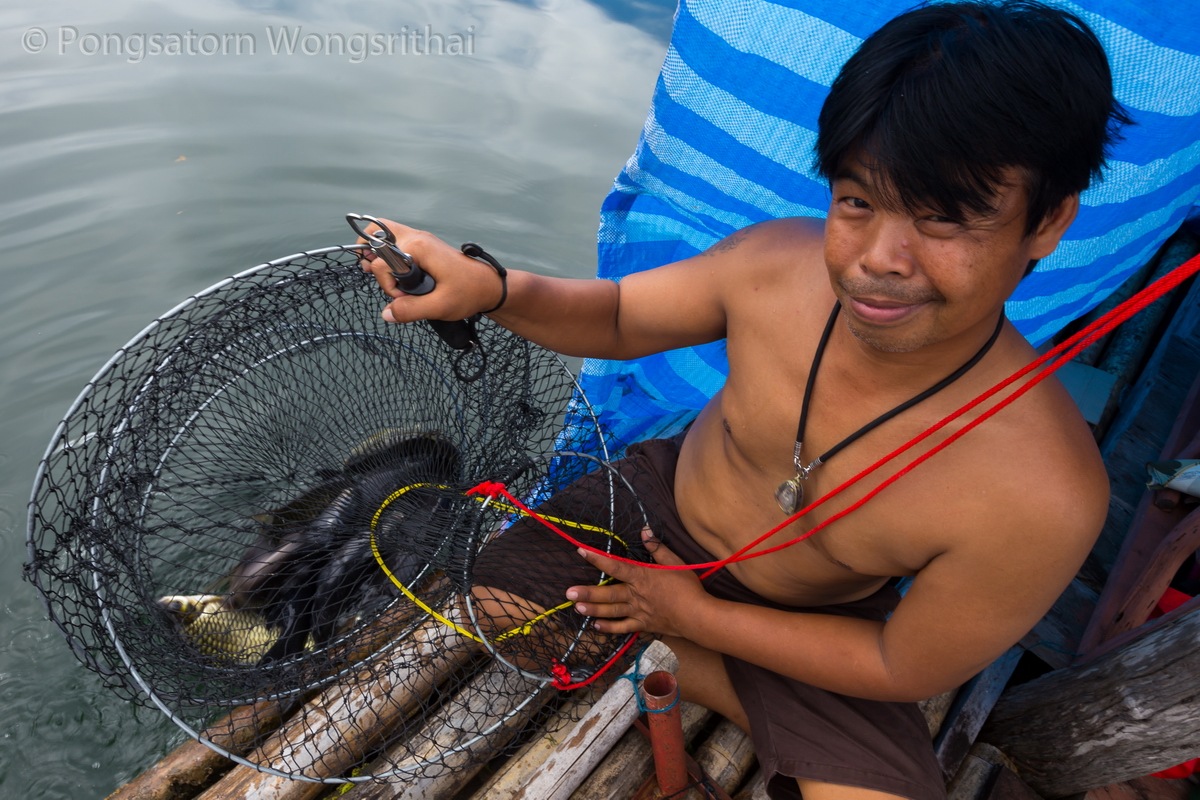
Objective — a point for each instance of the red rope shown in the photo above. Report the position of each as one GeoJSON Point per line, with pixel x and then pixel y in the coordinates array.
{"type": "Point", "coordinates": [1052, 360]}
{"type": "Point", "coordinates": [562, 675]}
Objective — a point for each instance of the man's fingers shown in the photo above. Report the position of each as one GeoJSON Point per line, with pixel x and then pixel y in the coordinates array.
{"type": "Point", "coordinates": [608, 566]}
{"type": "Point", "coordinates": [660, 552]}
{"type": "Point", "coordinates": [613, 593]}
{"type": "Point", "coordinates": [605, 610]}
{"type": "Point", "coordinates": [618, 626]}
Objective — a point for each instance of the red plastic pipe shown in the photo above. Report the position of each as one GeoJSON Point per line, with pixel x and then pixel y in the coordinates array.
{"type": "Point", "coordinates": [660, 695]}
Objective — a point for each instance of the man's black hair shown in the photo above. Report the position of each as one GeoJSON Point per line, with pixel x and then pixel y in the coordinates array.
{"type": "Point", "coordinates": [942, 99]}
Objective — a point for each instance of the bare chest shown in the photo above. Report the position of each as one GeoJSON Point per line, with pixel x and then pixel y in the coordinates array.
{"type": "Point", "coordinates": [863, 529]}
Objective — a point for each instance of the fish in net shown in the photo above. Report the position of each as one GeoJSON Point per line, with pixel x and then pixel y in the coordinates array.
{"type": "Point", "coordinates": [273, 511]}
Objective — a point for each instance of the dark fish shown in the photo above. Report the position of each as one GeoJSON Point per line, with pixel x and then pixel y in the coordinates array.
{"type": "Point", "coordinates": [427, 454]}
{"type": "Point", "coordinates": [312, 564]}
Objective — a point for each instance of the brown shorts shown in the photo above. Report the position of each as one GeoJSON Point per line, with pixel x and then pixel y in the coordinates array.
{"type": "Point", "coordinates": [798, 731]}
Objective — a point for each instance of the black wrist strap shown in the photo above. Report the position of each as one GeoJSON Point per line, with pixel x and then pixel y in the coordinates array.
{"type": "Point", "coordinates": [477, 252]}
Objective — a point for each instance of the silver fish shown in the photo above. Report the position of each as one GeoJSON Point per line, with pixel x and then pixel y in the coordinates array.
{"type": "Point", "coordinates": [237, 635]}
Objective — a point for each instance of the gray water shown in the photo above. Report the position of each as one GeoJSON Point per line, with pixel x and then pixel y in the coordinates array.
{"type": "Point", "coordinates": [151, 149]}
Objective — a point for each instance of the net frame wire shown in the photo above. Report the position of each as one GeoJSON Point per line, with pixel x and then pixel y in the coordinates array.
{"type": "Point", "coordinates": [62, 444]}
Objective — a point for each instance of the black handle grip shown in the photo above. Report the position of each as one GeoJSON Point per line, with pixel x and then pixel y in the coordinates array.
{"type": "Point", "coordinates": [458, 333]}
{"type": "Point", "coordinates": [411, 279]}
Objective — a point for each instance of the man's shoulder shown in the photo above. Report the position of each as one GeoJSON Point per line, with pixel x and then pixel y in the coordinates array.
{"type": "Point", "coordinates": [787, 232]}
{"type": "Point", "coordinates": [784, 254]}
{"type": "Point", "coordinates": [1038, 471]}
{"type": "Point", "coordinates": [787, 237]}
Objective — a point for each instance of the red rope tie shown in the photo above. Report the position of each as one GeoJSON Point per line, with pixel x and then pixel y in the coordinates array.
{"type": "Point", "coordinates": [489, 488]}
{"type": "Point", "coordinates": [562, 675]}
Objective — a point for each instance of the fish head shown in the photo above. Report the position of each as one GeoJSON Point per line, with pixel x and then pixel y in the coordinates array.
{"type": "Point", "coordinates": [185, 609]}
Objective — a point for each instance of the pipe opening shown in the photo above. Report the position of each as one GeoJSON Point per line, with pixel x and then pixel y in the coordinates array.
{"type": "Point", "coordinates": [660, 686]}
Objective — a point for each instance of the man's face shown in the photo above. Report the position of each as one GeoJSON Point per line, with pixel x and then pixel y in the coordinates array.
{"type": "Point", "coordinates": [909, 281]}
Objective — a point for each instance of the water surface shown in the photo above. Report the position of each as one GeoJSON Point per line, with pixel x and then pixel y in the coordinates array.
{"type": "Point", "coordinates": [131, 179]}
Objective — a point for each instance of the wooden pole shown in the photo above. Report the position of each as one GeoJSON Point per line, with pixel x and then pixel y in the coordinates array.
{"type": "Point", "coordinates": [726, 756]}
{"type": "Point", "coordinates": [341, 725]}
{"type": "Point", "coordinates": [192, 766]}
{"type": "Point", "coordinates": [521, 768]}
{"type": "Point", "coordinates": [1152, 581]}
{"type": "Point", "coordinates": [593, 736]}
{"type": "Point", "coordinates": [449, 751]}
{"type": "Point", "coordinates": [1130, 712]}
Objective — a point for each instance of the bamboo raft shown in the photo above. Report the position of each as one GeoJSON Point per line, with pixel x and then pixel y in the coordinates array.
{"type": "Point", "coordinates": [1090, 701]}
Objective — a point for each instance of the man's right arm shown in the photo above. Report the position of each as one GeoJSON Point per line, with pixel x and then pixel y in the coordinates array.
{"type": "Point", "coordinates": [673, 306]}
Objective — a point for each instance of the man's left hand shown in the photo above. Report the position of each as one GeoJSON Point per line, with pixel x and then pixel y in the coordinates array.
{"type": "Point", "coordinates": [646, 599]}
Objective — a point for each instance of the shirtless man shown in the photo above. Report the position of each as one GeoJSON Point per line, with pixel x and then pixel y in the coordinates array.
{"type": "Point", "coordinates": [956, 142]}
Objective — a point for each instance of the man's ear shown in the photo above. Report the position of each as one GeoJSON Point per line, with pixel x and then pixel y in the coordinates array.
{"type": "Point", "coordinates": [1052, 228]}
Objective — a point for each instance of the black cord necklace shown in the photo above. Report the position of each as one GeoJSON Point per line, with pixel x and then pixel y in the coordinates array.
{"type": "Point", "coordinates": [790, 494]}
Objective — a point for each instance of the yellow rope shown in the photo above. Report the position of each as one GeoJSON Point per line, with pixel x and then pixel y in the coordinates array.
{"type": "Point", "coordinates": [420, 603]}
{"type": "Point", "coordinates": [511, 509]}
{"type": "Point", "coordinates": [391, 498]}
{"type": "Point", "coordinates": [522, 630]}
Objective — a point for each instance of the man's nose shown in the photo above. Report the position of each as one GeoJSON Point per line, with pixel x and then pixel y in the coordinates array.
{"type": "Point", "coordinates": [888, 248]}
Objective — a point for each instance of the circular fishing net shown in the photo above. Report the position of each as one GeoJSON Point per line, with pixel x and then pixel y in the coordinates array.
{"type": "Point", "coordinates": [327, 546]}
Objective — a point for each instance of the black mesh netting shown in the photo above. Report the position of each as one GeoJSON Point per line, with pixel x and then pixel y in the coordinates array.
{"type": "Point", "coordinates": [259, 515]}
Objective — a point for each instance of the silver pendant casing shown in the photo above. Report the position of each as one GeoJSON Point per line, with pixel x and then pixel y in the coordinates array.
{"type": "Point", "coordinates": [790, 495]}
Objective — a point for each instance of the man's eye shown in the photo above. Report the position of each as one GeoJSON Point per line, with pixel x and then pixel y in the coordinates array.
{"type": "Point", "coordinates": [855, 202]}
{"type": "Point", "coordinates": [939, 225]}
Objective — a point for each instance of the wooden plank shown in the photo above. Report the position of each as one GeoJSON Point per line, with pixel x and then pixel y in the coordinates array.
{"type": "Point", "coordinates": [726, 756]}
{"type": "Point", "coordinates": [345, 722]}
{"type": "Point", "coordinates": [1007, 786]}
{"type": "Point", "coordinates": [592, 737]}
{"type": "Point", "coordinates": [1057, 636]}
{"type": "Point", "coordinates": [1124, 592]}
{"type": "Point", "coordinates": [631, 762]}
{"type": "Point", "coordinates": [755, 788]}
{"type": "Point", "coordinates": [970, 711]}
{"type": "Point", "coordinates": [976, 776]}
{"type": "Point", "coordinates": [519, 770]}
{"type": "Point", "coordinates": [1134, 437]}
{"type": "Point", "coordinates": [1149, 585]}
{"type": "Point", "coordinates": [936, 709]}
{"type": "Point", "coordinates": [1129, 712]}
{"type": "Point", "coordinates": [972, 781]}
{"type": "Point", "coordinates": [450, 751]}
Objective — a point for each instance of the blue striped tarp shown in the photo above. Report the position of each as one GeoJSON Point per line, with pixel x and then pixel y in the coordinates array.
{"type": "Point", "coordinates": [729, 142]}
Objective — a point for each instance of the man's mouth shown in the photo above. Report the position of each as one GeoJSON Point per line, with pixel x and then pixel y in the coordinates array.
{"type": "Point", "coordinates": [882, 310]}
